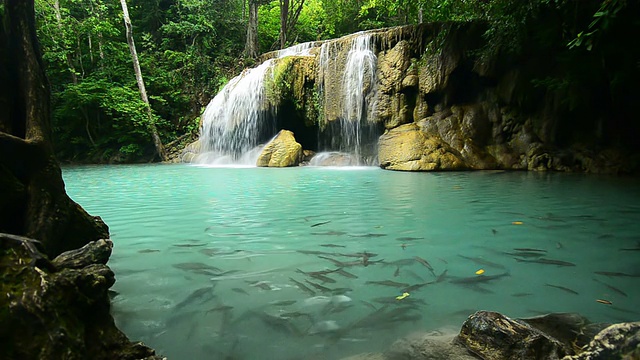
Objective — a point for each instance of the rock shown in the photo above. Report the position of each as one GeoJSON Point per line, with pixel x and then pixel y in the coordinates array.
{"type": "Point", "coordinates": [366, 356]}
{"type": "Point", "coordinates": [281, 151]}
{"type": "Point", "coordinates": [410, 149]}
{"type": "Point", "coordinates": [333, 159]}
{"type": "Point", "coordinates": [428, 346]}
{"type": "Point", "coordinates": [49, 313]}
{"type": "Point", "coordinates": [95, 252]}
{"type": "Point", "coordinates": [573, 330]}
{"type": "Point", "coordinates": [493, 336]}
{"type": "Point", "coordinates": [392, 106]}
{"type": "Point", "coordinates": [618, 341]}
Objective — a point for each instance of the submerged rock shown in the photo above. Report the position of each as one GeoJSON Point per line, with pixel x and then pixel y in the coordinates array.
{"type": "Point", "coordinates": [493, 336]}
{"type": "Point", "coordinates": [59, 309]}
{"type": "Point", "coordinates": [428, 346]}
{"type": "Point", "coordinates": [282, 151]}
{"type": "Point", "coordinates": [618, 341]}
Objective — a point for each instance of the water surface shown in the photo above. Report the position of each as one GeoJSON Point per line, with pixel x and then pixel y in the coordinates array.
{"type": "Point", "coordinates": [205, 258]}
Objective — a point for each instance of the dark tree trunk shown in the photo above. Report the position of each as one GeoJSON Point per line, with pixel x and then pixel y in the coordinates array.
{"type": "Point", "coordinates": [33, 201]}
{"type": "Point", "coordinates": [284, 13]}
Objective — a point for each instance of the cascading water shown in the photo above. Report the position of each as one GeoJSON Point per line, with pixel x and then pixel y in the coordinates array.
{"type": "Point", "coordinates": [358, 87]}
{"type": "Point", "coordinates": [345, 136]}
{"type": "Point", "coordinates": [237, 118]}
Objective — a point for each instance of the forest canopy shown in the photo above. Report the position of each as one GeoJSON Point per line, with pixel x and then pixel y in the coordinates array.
{"type": "Point", "coordinates": [188, 49]}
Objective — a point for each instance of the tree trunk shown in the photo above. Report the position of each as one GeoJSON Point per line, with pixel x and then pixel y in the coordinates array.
{"type": "Point", "coordinates": [251, 47]}
{"type": "Point", "coordinates": [33, 201]}
{"type": "Point", "coordinates": [143, 92]}
{"type": "Point", "coordinates": [420, 14]}
{"type": "Point", "coordinates": [284, 14]}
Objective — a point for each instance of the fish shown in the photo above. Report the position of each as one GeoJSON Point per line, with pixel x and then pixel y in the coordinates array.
{"type": "Point", "coordinates": [358, 254]}
{"type": "Point", "coordinates": [530, 249]}
{"type": "Point", "coordinates": [147, 251]}
{"type": "Point", "coordinates": [279, 324]}
{"type": "Point", "coordinates": [314, 252]}
{"type": "Point", "coordinates": [397, 272]}
{"type": "Point", "coordinates": [606, 302]}
{"type": "Point", "coordinates": [494, 231]}
{"type": "Point", "coordinates": [220, 308]}
{"type": "Point", "coordinates": [521, 294]}
{"type": "Point", "coordinates": [324, 279]}
{"type": "Point", "coordinates": [240, 291]}
{"type": "Point", "coordinates": [329, 233]}
{"type": "Point", "coordinates": [615, 289]}
{"type": "Point", "coordinates": [345, 273]}
{"type": "Point", "coordinates": [478, 279]}
{"type": "Point", "coordinates": [369, 235]}
{"type": "Point", "coordinates": [406, 302]}
{"type": "Point", "coordinates": [189, 245]}
{"type": "Point", "coordinates": [416, 286]}
{"type": "Point", "coordinates": [425, 263]}
{"type": "Point", "coordinates": [548, 262]}
{"type": "Point", "coordinates": [318, 286]}
{"type": "Point", "coordinates": [484, 262]}
{"type": "Point", "coordinates": [282, 302]}
{"type": "Point", "coordinates": [615, 274]}
{"type": "Point", "coordinates": [208, 252]}
{"type": "Point", "coordinates": [407, 238]}
{"type": "Point", "coordinates": [525, 254]}
{"type": "Point", "coordinates": [303, 287]}
{"type": "Point", "coordinates": [321, 223]}
{"type": "Point", "coordinates": [191, 266]}
{"type": "Point", "coordinates": [202, 294]}
{"type": "Point", "coordinates": [442, 276]}
{"type": "Point", "coordinates": [332, 245]}
{"type": "Point", "coordinates": [369, 304]}
{"type": "Point", "coordinates": [296, 314]}
{"type": "Point", "coordinates": [401, 262]}
{"type": "Point", "coordinates": [563, 288]}
{"type": "Point", "coordinates": [388, 283]}
{"type": "Point", "coordinates": [341, 291]}
{"type": "Point", "coordinates": [264, 285]}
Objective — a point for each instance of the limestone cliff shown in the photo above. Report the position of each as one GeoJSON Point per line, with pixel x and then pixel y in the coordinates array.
{"type": "Point", "coordinates": [482, 110]}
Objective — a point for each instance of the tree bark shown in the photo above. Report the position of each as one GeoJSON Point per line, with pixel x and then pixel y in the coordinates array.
{"type": "Point", "coordinates": [33, 201]}
{"type": "Point", "coordinates": [143, 92]}
{"type": "Point", "coordinates": [251, 47]}
{"type": "Point", "coordinates": [284, 14]}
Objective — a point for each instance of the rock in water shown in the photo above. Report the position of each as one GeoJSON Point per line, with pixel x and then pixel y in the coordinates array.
{"type": "Point", "coordinates": [281, 151]}
{"type": "Point", "coordinates": [410, 149]}
{"type": "Point", "coordinates": [95, 252]}
{"type": "Point", "coordinates": [493, 336]}
{"type": "Point", "coordinates": [618, 341]}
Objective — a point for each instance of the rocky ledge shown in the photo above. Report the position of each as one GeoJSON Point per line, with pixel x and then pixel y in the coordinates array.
{"type": "Point", "coordinates": [492, 336]}
{"type": "Point", "coordinates": [59, 309]}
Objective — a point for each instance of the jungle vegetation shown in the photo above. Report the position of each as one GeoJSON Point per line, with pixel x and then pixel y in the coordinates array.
{"type": "Point", "coordinates": [188, 49]}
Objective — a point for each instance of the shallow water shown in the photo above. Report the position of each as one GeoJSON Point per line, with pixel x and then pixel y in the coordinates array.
{"type": "Point", "coordinates": [204, 257]}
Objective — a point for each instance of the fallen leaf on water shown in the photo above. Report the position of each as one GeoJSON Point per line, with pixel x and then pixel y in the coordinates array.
{"type": "Point", "coordinates": [404, 295]}
{"type": "Point", "coordinates": [480, 272]}
{"type": "Point", "coordinates": [517, 223]}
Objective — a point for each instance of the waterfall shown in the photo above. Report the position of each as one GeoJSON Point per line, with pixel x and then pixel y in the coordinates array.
{"type": "Point", "coordinates": [238, 117]}
{"type": "Point", "coordinates": [346, 136]}
{"type": "Point", "coordinates": [358, 83]}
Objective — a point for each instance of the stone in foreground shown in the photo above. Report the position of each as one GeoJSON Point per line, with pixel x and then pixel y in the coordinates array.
{"type": "Point", "coordinates": [493, 336]}
{"type": "Point", "coordinates": [282, 151]}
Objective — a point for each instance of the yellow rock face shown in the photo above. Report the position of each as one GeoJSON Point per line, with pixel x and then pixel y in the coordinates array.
{"type": "Point", "coordinates": [408, 148]}
{"type": "Point", "coordinates": [282, 151]}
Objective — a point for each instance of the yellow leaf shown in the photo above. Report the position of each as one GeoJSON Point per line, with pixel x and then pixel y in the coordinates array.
{"type": "Point", "coordinates": [480, 272]}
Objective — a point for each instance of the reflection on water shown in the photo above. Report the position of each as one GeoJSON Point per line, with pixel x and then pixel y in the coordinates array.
{"type": "Point", "coordinates": [296, 263]}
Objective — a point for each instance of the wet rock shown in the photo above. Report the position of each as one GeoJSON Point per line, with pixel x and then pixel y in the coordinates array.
{"type": "Point", "coordinates": [95, 252]}
{"type": "Point", "coordinates": [618, 341]}
{"type": "Point", "coordinates": [58, 312]}
{"type": "Point", "coordinates": [282, 151]}
{"type": "Point", "coordinates": [333, 159]}
{"type": "Point", "coordinates": [428, 346]}
{"type": "Point", "coordinates": [573, 330]}
{"type": "Point", "coordinates": [493, 336]}
{"type": "Point", "coordinates": [410, 149]}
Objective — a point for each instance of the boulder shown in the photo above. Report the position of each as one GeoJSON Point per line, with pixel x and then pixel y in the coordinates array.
{"type": "Point", "coordinates": [408, 148]}
{"type": "Point", "coordinates": [618, 341]}
{"type": "Point", "coordinates": [282, 151]}
{"type": "Point", "coordinates": [493, 336]}
{"type": "Point", "coordinates": [59, 309]}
